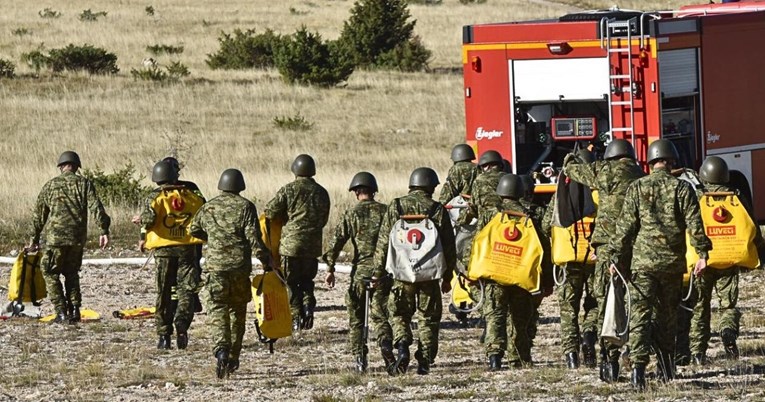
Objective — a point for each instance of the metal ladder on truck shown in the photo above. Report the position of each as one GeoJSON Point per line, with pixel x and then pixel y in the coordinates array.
{"type": "Point", "coordinates": [610, 28]}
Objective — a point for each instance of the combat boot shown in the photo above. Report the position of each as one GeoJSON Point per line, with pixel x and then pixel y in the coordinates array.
{"type": "Point", "coordinates": [638, 377]}
{"type": "Point", "coordinates": [61, 318]}
{"type": "Point", "coordinates": [221, 367]}
{"type": "Point", "coordinates": [423, 363]}
{"type": "Point", "coordinates": [729, 343]}
{"type": "Point", "coordinates": [69, 310]}
{"type": "Point", "coordinates": [402, 360]}
{"type": "Point", "coordinates": [361, 364]}
{"type": "Point", "coordinates": [495, 363]}
{"type": "Point", "coordinates": [572, 360]}
{"type": "Point", "coordinates": [588, 349]}
{"type": "Point", "coordinates": [164, 342]}
{"type": "Point", "coordinates": [307, 319]}
{"type": "Point", "coordinates": [182, 340]}
{"type": "Point", "coordinates": [75, 315]}
{"type": "Point", "coordinates": [295, 324]}
{"type": "Point", "coordinates": [386, 350]}
{"type": "Point", "coordinates": [233, 365]}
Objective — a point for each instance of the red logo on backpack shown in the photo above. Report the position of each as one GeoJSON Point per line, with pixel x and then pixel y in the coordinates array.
{"type": "Point", "coordinates": [512, 236]}
{"type": "Point", "coordinates": [415, 236]}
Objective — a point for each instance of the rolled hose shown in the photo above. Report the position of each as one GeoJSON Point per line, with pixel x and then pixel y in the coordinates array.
{"type": "Point", "coordinates": [563, 277]}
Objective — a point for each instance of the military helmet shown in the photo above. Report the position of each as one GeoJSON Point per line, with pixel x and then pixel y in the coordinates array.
{"type": "Point", "coordinates": [662, 149]}
{"type": "Point", "coordinates": [490, 157]}
{"type": "Point", "coordinates": [70, 157]}
{"type": "Point", "coordinates": [511, 186]}
{"type": "Point", "coordinates": [173, 162]}
{"type": "Point", "coordinates": [304, 166]}
{"type": "Point", "coordinates": [585, 155]}
{"type": "Point", "coordinates": [363, 179]}
{"type": "Point", "coordinates": [462, 153]}
{"type": "Point", "coordinates": [528, 184]}
{"type": "Point", "coordinates": [714, 170]}
{"type": "Point", "coordinates": [423, 177]}
{"type": "Point", "coordinates": [231, 180]}
{"type": "Point", "coordinates": [619, 148]}
{"type": "Point", "coordinates": [163, 173]}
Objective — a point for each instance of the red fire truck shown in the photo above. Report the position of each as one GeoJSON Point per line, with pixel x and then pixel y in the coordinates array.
{"type": "Point", "coordinates": [536, 90]}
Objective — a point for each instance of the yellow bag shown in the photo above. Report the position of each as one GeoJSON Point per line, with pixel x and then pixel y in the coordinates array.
{"type": "Point", "coordinates": [271, 232]}
{"type": "Point", "coordinates": [728, 224]}
{"type": "Point", "coordinates": [273, 319]}
{"type": "Point", "coordinates": [572, 244]}
{"type": "Point", "coordinates": [27, 283]}
{"type": "Point", "coordinates": [133, 313]}
{"type": "Point", "coordinates": [175, 207]}
{"type": "Point", "coordinates": [507, 251]}
{"type": "Point", "coordinates": [86, 315]}
{"type": "Point", "coordinates": [461, 292]}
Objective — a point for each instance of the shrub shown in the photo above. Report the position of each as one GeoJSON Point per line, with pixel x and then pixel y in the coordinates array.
{"type": "Point", "coordinates": [304, 58]}
{"type": "Point", "coordinates": [175, 71]}
{"type": "Point", "coordinates": [292, 123]}
{"type": "Point", "coordinates": [35, 59]}
{"type": "Point", "coordinates": [408, 56]}
{"type": "Point", "coordinates": [90, 16]}
{"type": "Point", "coordinates": [245, 49]}
{"type": "Point", "coordinates": [472, 1]}
{"type": "Point", "coordinates": [121, 187]}
{"type": "Point", "coordinates": [88, 58]}
{"type": "Point", "coordinates": [149, 10]}
{"type": "Point", "coordinates": [160, 49]}
{"type": "Point", "coordinates": [426, 2]}
{"type": "Point", "coordinates": [21, 32]}
{"type": "Point", "coordinates": [48, 13]}
{"type": "Point", "coordinates": [7, 69]}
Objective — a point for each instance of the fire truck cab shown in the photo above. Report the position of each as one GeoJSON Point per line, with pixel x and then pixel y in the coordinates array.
{"type": "Point", "coordinates": [537, 90]}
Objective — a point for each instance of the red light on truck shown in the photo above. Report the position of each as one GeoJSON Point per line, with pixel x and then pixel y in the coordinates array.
{"type": "Point", "coordinates": [475, 64]}
{"type": "Point", "coordinates": [559, 48]}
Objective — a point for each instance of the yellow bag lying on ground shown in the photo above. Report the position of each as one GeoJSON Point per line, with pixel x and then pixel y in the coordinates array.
{"type": "Point", "coordinates": [133, 313]}
{"type": "Point", "coordinates": [27, 284]}
{"type": "Point", "coordinates": [273, 319]}
{"type": "Point", "coordinates": [732, 231]}
{"type": "Point", "coordinates": [572, 244]}
{"type": "Point", "coordinates": [175, 207]}
{"type": "Point", "coordinates": [271, 232]}
{"type": "Point", "coordinates": [86, 316]}
{"type": "Point", "coordinates": [507, 250]}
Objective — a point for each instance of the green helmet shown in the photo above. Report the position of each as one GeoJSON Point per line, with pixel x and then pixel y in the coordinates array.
{"type": "Point", "coordinates": [173, 162]}
{"type": "Point", "coordinates": [510, 186]}
{"type": "Point", "coordinates": [585, 155]}
{"type": "Point", "coordinates": [423, 177]}
{"type": "Point", "coordinates": [662, 149]}
{"type": "Point", "coordinates": [164, 173]}
{"type": "Point", "coordinates": [304, 166]}
{"type": "Point", "coordinates": [490, 157]}
{"type": "Point", "coordinates": [619, 148]}
{"type": "Point", "coordinates": [714, 170]}
{"type": "Point", "coordinates": [70, 157]}
{"type": "Point", "coordinates": [462, 153]}
{"type": "Point", "coordinates": [231, 180]}
{"type": "Point", "coordinates": [363, 179]}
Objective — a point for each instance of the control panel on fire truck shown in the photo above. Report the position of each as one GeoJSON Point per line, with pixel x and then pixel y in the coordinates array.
{"type": "Point", "coordinates": [574, 128]}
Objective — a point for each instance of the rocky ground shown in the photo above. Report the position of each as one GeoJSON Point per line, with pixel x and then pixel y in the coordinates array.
{"type": "Point", "coordinates": [116, 359]}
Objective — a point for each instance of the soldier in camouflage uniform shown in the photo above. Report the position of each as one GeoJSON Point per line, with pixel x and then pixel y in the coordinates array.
{"type": "Point", "coordinates": [610, 177]}
{"type": "Point", "coordinates": [62, 209]}
{"type": "Point", "coordinates": [423, 298]}
{"type": "Point", "coordinates": [229, 225]}
{"type": "Point", "coordinates": [361, 225]}
{"type": "Point", "coordinates": [461, 175]}
{"type": "Point", "coordinates": [303, 207]}
{"type": "Point", "coordinates": [484, 191]}
{"type": "Point", "coordinates": [177, 280]}
{"type": "Point", "coordinates": [658, 210]}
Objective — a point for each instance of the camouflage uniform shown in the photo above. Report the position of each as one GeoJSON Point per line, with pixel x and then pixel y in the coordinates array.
{"type": "Point", "coordinates": [361, 225]}
{"type": "Point", "coordinates": [458, 181]}
{"type": "Point", "coordinates": [177, 276]}
{"type": "Point", "coordinates": [229, 224]}
{"type": "Point", "coordinates": [484, 191]}
{"type": "Point", "coordinates": [543, 216]}
{"type": "Point", "coordinates": [658, 210]}
{"type": "Point", "coordinates": [303, 206]}
{"type": "Point", "coordinates": [62, 208]}
{"type": "Point", "coordinates": [422, 297]}
{"type": "Point", "coordinates": [575, 291]}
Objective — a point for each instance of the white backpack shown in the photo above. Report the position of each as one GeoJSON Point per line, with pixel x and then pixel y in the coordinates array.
{"type": "Point", "coordinates": [415, 253]}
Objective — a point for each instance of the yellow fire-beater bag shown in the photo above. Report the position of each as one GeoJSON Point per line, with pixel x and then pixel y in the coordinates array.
{"type": "Point", "coordinates": [732, 231]}
{"type": "Point", "coordinates": [507, 250]}
{"type": "Point", "coordinates": [27, 283]}
{"type": "Point", "coordinates": [175, 207]}
{"type": "Point", "coordinates": [572, 244]}
{"type": "Point", "coordinates": [271, 233]}
{"type": "Point", "coordinates": [273, 319]}
{"type": "Point", "coordinates": [461, 292]}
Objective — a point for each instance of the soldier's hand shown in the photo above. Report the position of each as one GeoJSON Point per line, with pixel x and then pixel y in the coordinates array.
{"type": "Point", "coordinates": [612, 269]}
{"type": "Point", "coordinates": [446, 286]}
{"type": "Point", "coordinates": [701, 266]}
{"type": "Point", "coordinates": [142, 245]}
{"type": "Point", "coordinates": [136, 219]}
{"type": "Point", "coordinates": [330, 279]}
{"type": "Point", "coordinates": [103, 241]}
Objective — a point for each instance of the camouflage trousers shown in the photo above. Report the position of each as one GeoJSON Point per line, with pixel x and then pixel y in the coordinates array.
{"type": "Point", "coordinates": [176, 287]}
{"type": "Point", "coordinates": [378, 314]}
{"type": "Point", "coordinates": [684, 317]}
{"type": "Point", "coordinates": [725, 281]}
{"type": "Point", "coordinates": [649, 292]}
{"type": "Point", "coordinates": [228, 293]}
{"type": "Point", "coordinates": [300, 273]}
{"type": "Point", "coordinates": [423, 298]}
{"type": "Point", "coordinates": [509, 313]}
{"type": "Point", "coordinates": [66, 261]}
{"type": "Point", "coordinates": [578, 290]}
{"type": "Point", "coordinates": [601, 280]}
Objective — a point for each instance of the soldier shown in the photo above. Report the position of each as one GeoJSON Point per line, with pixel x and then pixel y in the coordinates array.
{"type": "Point", "coordinates": [658, 210]}
{"type": "Point", "coordinates": [484, 187]}
{"type": "Point", "coordinates": [424, 297]}
{"type": "Point", "coordinates": [361, 225]}
{"type": "Point", "coordinates": [303, 207]}
{"type": "Point", "coordinates": [177, 280]}
{"type": "Point", "coordinates": [229, 225]}
{"type": "Point", "coordinates": [610, 177]}
{"type": "Point", "coordinates": [461, 175]}
{"type": "Point", "coordinates": [63, 206]}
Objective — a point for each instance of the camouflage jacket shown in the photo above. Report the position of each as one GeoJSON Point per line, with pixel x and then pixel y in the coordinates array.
{"type": "Point", "coordinates": [303, 206]}
{"type": "Point", "coordinates": [360, 225]}
{"type": "Point", "coordinates": [416, 202]}
{"type": "Point", "coordinates": [484, 193]}
{"type": "Point", "coordinates": [459, 181]}
{"type": "Point", "coordinates": [229, 224]}
{"type": "Point", "coordinates": [658, 210]}
{"type": "Point", "coordinates": [63, 205]}
{"type": "Point", "coordinates": [611, 178]}
{"type": "Point", "coordinates": [149, 216]}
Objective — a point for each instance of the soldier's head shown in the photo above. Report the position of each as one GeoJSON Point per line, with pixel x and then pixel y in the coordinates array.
{"type": "Point", "coordinates": [507, 167]}
{"type": "Point", "coordinates": [163, 173]}
{"type": "Point", "coordinates": [619, 148]}
{"type": "Point", "coordinates": [231, 181]}
{"type": "Point", "coordinates": [69, 161]}
{"type": "Point", "coordinates": [510, 186]}
{"type": "Point", "coordinates": [304, 166]}
{"type": "Point", "coordinates": [528, 186]}
{"type": "Point", "coordinates": [425, 179]}
{"type": "Point", "coordinates": [662, 153]}
{"type": "Point", "coordinates": [490, 159]}
{"type": "Point", "coordinates": [462, 153]}
{"type": "Point", "coordinates": [714, 170]}
{"type": "Point", "coordinates": [585, 155]}
{"type": "Point", "coordinates": [364, 185]}
{"type": "Point", "coordinates": [174, 163]}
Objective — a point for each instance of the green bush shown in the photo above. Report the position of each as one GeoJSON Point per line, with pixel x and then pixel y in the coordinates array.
{"type": "Point", "coordinates": [7, 69]}
{"type": "Point", "coordinates": [48, 13]}
{"type": "Point", "coordinates": [149, 10]}
{"type": "Point", "coordinates": [408, 56]}
{"type": "Point", "coordinates": [175, 71]}
{"type": "Point", "coordinates": [35, 59]}
{"type": "Point", "coordinates": [426, 2]}
{"type": "Point", "coordinates": [121, 188]}
{"type": "Point", "coordinates": [245, 49]}
{"type": "Point", "coordinates": [292, 123]}
{"type": "Point", "coordinates": [160, 49]}
{"type": "Point", "coordinates": [90, 16]}
{"type": "Point", "coordinates": [304, 58]}
{"type": "Point", "coordinates": [88, 58]}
